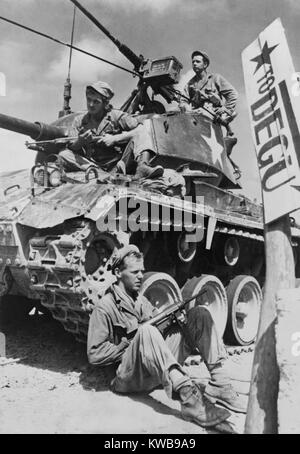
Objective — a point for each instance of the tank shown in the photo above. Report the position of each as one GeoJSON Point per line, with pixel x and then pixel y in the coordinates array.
{"type": "Point", "coordinates": [196, 229]}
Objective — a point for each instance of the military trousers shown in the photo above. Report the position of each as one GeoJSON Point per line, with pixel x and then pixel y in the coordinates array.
{"type": "Point", "coordinates": [148, 359]}
{"type": "Point", "coordinates": [74, 162]}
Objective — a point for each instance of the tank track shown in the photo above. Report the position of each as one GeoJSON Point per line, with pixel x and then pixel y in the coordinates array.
{"type": "Point", "coordinates": [239, 349]}
{"type": "Point", "coordinates": [58, 274]}
{"type": "Point", "coordinates": [239, 232]}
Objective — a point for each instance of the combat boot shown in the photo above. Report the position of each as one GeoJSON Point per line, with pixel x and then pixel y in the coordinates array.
{"type": "Point", "coordinates": [120, 168]}
{"type": "Point", "coordinates": [227, 397]}
{"type": "Point", "coordinates": [197, 408]}
{"type": "Point", "coordinates": [144, 170]}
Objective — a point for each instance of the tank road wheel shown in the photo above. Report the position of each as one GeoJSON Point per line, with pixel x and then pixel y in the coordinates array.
{"type": "Point", "coordinates": [244, 300]}
{"type": "Point", "coordinates": [213, 297]}
{"type": "Point", "coordinates": [186, 251]}
{"type": "Point", "coordinates": [232, 251]}
{"type": "Point", "coordinates": [96, 276]}
{"type": "Point", "coordinates": [160, 289]}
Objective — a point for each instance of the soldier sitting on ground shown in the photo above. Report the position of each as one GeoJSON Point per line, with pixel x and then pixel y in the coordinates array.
{"type": "Point", "coordinates": [115, 128]}
{"type": "Point", "coordinates": [118, 335]}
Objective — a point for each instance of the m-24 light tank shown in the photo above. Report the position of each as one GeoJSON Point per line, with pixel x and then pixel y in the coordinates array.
{"type": "Point", "coordinates": [56, 237]}
{"type": "Point", "coordinates": [52, 248]}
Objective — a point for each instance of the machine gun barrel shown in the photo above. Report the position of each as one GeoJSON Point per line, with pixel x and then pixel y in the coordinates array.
{"type": "Point", "coordinates": [136, 60]}
{"type": "Point", "coordinates": [37, 130]}
{"type": "Point", "coordinates": [128, 53]}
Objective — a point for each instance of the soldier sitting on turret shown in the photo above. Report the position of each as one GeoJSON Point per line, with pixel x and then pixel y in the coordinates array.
{"type": "Point", "coordinates": [211, 91]}
{"type": "Point", "coordinates": [115, 127]}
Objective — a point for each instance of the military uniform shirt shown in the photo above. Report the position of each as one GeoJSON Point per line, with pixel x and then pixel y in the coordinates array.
{"type": "Point", "coordinates": [115, 318]}
{"type": "Point", "coordinates": [114, 122]}
{"type": "Point", "coordinates": [214, 84]}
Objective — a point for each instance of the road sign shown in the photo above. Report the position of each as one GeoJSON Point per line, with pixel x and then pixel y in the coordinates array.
{"type": "Point", "coordinates": [274, 110]}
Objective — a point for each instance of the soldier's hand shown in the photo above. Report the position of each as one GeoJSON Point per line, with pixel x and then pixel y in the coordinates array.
{"type": "Point", "coordinates": [124, 342]}
{"type": "Point", "coordinates": [107, 139]}
{"type": "Point", "coordinates": [221, 110]}
{"type": "Point", "coordinates": [85, 138]}
{"type": "Point", "coordinates": [224, 114]}
{"type": "Point", "coordinates": [181, 318]}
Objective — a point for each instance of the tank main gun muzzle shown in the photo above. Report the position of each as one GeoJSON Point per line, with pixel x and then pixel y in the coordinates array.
{"type": "Point", "coordinates": [36, 130]}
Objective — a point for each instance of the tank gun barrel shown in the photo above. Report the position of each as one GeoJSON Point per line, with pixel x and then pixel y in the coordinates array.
{"type": "Point", "coordinates": [37, 130]}
{"type": "Point", "coordinates": [128, 53]}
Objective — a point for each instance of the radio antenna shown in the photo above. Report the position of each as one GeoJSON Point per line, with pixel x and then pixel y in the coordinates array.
{"type": "Point", "coordinates": [66, 110]}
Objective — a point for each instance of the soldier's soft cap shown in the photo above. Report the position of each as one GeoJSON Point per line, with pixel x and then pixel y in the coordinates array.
{"type": "Point", "coordinates": [119, 255]}
{"type": "Point", "coordinates": [103, 88]}
{"type": "Point", "coordinates": [203, 54]}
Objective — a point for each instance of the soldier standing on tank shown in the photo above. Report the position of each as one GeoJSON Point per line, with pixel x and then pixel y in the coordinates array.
{"type": "Point", "coordinates": [215, 94]}
{"type": "Point", "coordinates": [118, 335]}
{"type": "Point", "coordinates": [211, 91]}
{"type": "Point", "coordinates": [115, 127]}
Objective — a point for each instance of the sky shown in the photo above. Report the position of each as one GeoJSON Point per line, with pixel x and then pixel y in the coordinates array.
{"type": "Point", "coordinates": [35, 68]}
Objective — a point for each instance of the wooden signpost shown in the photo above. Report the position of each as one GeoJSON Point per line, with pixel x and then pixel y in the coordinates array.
{"type": "Point", "coordinates": [274, 115]}
{"type": "Point", "coordinates": [2, 345]}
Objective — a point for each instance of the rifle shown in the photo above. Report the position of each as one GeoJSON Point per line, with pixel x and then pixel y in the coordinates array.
{"type": "Point", "coordinates": [42, 144]}
{"type": "Point", "coordinates": [60, 141]}
{"type": "Point", "coordinates": [199, 97]}
{"type": "Point", "coordinates": [172, 314]}
{"type": "Point", "coordinates": [215, 100]}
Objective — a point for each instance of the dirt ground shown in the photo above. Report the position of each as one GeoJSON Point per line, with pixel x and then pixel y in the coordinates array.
{"type": "Point", "coordinates": [47, 387]}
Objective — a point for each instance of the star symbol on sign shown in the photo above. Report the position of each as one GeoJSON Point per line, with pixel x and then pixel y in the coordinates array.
{"type": "Point", "coordinates": [264, 57]}
{"type": "Point", "coordinates": [215, 146]}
